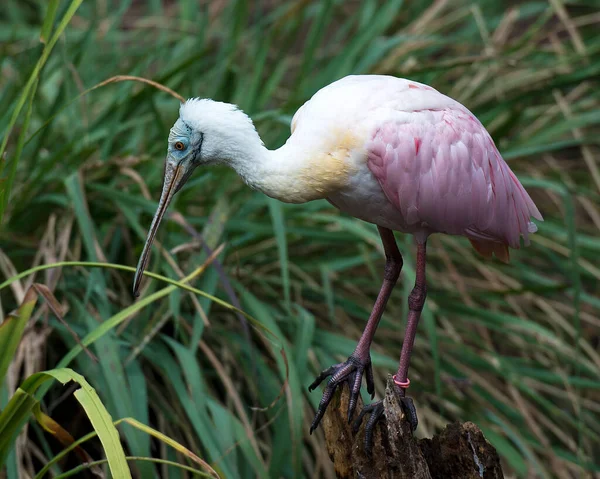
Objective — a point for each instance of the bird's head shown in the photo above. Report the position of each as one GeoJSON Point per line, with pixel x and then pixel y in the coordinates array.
{"type": "Point", "coordinates": [207, 132]}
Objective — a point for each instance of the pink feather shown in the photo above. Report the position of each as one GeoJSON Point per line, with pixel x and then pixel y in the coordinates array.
{"type": "Point", "coordinates": [443, 172]}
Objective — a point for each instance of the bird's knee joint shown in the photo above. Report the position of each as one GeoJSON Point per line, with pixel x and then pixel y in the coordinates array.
{"type": "Point", "coordinates": [416, 299]}
{"type": "Point", "coordinates": [393, 266]}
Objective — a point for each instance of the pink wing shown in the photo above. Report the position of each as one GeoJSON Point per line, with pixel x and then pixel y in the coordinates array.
{"type": "Point", "coordinates": [443, 172]}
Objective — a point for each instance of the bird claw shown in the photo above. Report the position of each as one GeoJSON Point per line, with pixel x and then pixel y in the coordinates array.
{"type": "Point", "coordinates": [408, 407]}
{"type": "Point", "coordinates": [350, 371]}
{"type": "Point", "coordinates": [376, 411]}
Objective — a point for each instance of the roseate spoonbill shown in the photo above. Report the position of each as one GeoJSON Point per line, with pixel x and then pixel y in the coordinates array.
{"type": "Point", "coordinates": [389, 151]}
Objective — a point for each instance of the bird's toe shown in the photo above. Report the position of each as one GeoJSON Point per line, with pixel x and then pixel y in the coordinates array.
{"type": "Point", "coordinates": [408, 407]}
{"type": "Point", "coordinates": [370, 380]}
{"type": "Point", "coordinates": [376, 411]}
{"type": "Point", "coordinates": [350, 371]}
{"type": "Point", "coordinates": [323, 374]}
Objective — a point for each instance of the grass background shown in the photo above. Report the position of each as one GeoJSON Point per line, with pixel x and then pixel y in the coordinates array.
{"type": "Point", "coordinates": [514, 348]}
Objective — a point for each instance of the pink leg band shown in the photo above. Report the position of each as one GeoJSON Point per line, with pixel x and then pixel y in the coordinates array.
{"type": "Point", "coordinates": [400, 384]}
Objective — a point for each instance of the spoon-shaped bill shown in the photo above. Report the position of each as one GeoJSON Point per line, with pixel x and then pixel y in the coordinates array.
{"type": "Point", "coordinates": [174, 178]}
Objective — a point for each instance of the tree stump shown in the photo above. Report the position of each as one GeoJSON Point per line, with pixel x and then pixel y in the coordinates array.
{"type": "Point", "coordinates": [460, 451]}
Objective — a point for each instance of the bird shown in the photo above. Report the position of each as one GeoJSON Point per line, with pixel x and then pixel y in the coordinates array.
{"type": "Point", "coordinates": [386, 150]}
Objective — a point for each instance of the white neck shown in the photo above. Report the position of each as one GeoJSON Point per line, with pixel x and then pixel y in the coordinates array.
{"type": "Point", "coordinates": [311, 165]}
{"type": "Point", "coordinates": [280, 174]}
{"type": "Point", "coordinates": [308, 167]}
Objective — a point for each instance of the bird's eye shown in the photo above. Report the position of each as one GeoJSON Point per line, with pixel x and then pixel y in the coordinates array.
{"type": "Point", "coordinates": [179, 146]}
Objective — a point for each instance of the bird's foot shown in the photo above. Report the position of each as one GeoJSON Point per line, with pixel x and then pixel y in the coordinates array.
{"type": "Point", "coordinates": [376, 411]}
{"type": "Point", "coordinates": [350, 371]}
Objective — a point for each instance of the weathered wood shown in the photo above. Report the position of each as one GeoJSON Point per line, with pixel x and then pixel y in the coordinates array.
{"type": "Point", "coordinates": [459, 451]}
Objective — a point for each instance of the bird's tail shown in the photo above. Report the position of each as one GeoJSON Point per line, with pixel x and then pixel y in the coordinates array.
{"type": "Point", "coordinates": [524, 209]}
{"type": "Point", "coordinates": [489, 248]}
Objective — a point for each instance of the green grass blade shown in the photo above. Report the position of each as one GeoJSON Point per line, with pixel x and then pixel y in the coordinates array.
{"type": "Point", "coordinates": [20, 408]}
{"type": "Point", "coordinates": [11, 331]}
{"type": "Point", "coordinates": [28, 90]}
{"type": "Point", "coordinates": [49, 20]}
{"type": "Point", "coordinates": [276, 210]}
{"type": "Point", "coordinates": [12, 419]}
{"type": "Point", "coordinates": [79, 469]}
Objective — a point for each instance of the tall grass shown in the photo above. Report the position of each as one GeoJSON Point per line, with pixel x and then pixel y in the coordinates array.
{"type": "Point", "coordinates": [513, 348]}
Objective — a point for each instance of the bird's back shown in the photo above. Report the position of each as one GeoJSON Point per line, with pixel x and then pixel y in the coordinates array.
{"type": "Point", "coordinates": [365, 100]}
{"type": "Point", "coordinates": [436, 164]}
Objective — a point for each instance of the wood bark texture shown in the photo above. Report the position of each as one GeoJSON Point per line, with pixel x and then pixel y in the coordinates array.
{"type": "Point", "coordinates": [460, 451]}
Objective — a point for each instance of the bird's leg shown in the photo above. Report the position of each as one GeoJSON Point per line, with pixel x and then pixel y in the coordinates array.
{"type": "Point", "coordinates": [416, 300]}
{"type": "Point", "coordinates": [359, 362]}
